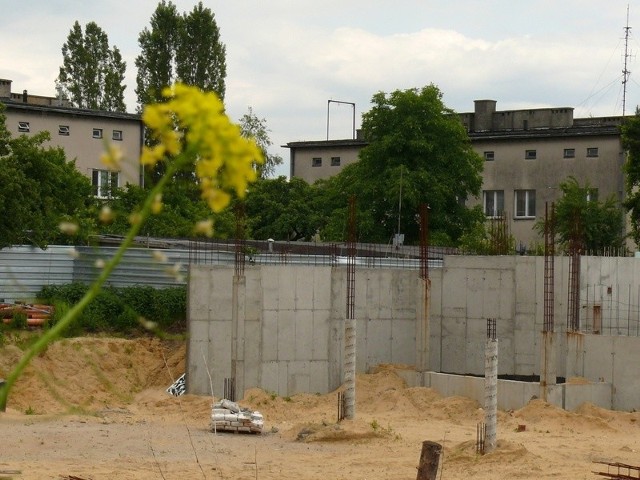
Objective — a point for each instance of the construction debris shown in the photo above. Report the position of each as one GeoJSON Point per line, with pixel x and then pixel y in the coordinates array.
{"type": "Point", "coordinates": [36, 314]}
{"type": "Point", "coordinates": [619, 471]}
{"type": "Point", "coordinates": [228, 416]}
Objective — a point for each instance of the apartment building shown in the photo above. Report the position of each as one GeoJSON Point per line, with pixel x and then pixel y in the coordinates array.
{"type": "Point", "coordinates": [82, 133]}
{"type": "Point", "coordinates": [527, 154]}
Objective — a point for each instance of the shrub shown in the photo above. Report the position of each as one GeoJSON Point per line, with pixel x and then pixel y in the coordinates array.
{"type": "Point", "coordinates": [117, 310]}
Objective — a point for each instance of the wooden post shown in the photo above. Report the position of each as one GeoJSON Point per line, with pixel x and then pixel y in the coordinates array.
{"type": "Point", "coordinates": [429, 461]}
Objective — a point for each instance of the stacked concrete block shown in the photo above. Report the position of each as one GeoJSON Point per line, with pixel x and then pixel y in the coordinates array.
{"type": "Point", "coordinates": [229, 417]}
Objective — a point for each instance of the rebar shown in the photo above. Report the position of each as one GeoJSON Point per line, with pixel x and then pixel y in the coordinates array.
{"type": "Point", "coordinates": [424, 241]}
{"type": "Point", "coordinates": [240, 246]}
{"type": "Point", "coordinates": [549, 273]}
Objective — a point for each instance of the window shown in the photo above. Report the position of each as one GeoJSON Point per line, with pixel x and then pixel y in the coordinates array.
{"type": "Point", "coordinates": [97, 133]}
{"type": "Point", "coordinates": [316, 162]}
{"type": "Point", "coordinates": [525, 203]}
{"type": "Point", "coordinates": [530, 154]}
{"type": "Point", "coordinates": [104, 182]}
{"type": "Point", "coordinates": [335, 161]}
{"type": "Point", "coordinates": [592, 195]}
{"type": "Point", "coordinates": [569, 153]}
{"type": "Point", "coordinates": [117, 135]}
{"type": "Point", "coordinates": [493, 202]}
{"type": "Point", "coordinates": [23, 126]}
{"type": "Point", "coordinates": [489, 156]}
{"type": "Point", "coordinates": [592, 152]}
{"type": "Point", "coordinates": [63, 130]}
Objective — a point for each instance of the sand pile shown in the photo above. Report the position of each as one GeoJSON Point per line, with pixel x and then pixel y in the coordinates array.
{"type": "Point", "coordinates": [97, 408]}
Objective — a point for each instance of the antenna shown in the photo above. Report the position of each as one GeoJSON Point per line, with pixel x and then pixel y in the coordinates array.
{"type": "Point", "coordinates": [329, 102]}
{"type": "Point", "coordinates": [625, 72]}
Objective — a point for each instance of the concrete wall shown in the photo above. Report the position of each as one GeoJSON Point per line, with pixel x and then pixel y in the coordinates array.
{"type": "Point", "coordinates": [281, 328]}
{"type": "Point", "coordinates": [285, 333]}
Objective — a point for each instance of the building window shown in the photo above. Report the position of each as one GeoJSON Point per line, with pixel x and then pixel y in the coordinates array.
{"type": "Point", "coordinates": [493, 202]}
{"type": "Point", "coordinates": [525, 203]}
{"type": "Point", "coordinates": [530, 154]}
{"type": "Point", "coordinates": [592, 152]}
{"type": "Point", "coordinates": [316, 162]}
{"type": "Point", "coordinates": [63, 130]}
{"type": "Point", "coordinates": [23, 127]}
{"type": "Point", "coordinates": [592, 195]}
{"type": "Point", "coordinates": [569, 153]}
{"type": "Point", "coordinates": [104, 183]}
{"type": "Point", "coordinates": [335, 161]}
{"type": "Point", "coordinates": [117, 135]}
{"type": "Point", "coordinates": [97, 133]}
{"type": "Point", "coordinates": [489, 156]}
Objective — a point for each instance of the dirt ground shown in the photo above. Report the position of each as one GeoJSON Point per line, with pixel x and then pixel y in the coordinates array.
{"type": "Point", "coordinates": [96, 408]}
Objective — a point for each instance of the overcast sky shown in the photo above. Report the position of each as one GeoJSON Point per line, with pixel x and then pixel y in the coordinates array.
{"type": "Point", "coordinates": [287, 58]}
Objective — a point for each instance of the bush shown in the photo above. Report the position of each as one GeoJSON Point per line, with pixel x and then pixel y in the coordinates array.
{"type": "Point", "coordinates": [118, 310]}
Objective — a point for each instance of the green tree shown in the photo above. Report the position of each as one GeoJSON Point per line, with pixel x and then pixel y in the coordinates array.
{"type": "Point", "coordinates": [92, 74]}
{"type": "Point", "coordinates": [40, 188]}
{"type": "Point", "coordinates": [156, 62]}
{"type": "Point", "coordinates": [281, 209]}
{"type": "Point", "coordinates": [256, 128]}
{"type": "Point", "coordinates": [631, 144]}
{"type": "Point", "coordinates": [579, 215]}
{"type": "Point", "coordinates": [180, 48]}
{"type": "Point", "coordinates": [418, 152]}
{"type": "Point", "coordinates": [182, 209]}
{"type": "Point", "coordinates": [201, 56]}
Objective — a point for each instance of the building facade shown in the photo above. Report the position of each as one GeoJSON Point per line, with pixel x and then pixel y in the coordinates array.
{"type": "Point", "coordinates": [527, 154]}
{"type": "Point", "coordinates": [83, 134]}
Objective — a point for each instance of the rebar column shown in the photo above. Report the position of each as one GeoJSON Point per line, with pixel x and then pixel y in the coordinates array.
{"type": "Point", "coordinates": [423, 323]}
{"type": "Point", "coordinates": [573, 303]}
{"type": "Point", "coordinates": [548, 361]}
{"type": "Point", "coordinates": [350, 322]}
{"type": "Point", "coordinates": [491, 387]}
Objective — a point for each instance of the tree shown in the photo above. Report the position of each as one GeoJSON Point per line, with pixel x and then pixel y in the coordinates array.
{"type": "Point", "coordinates": [418, 152]}
{"type": "Point", "coordinates": [580, 216]}
{"type": "Point", "coordinates": [156, 62]}
{"type": "Point", "coordinates": [180, 48]}
{"type": "Point", "coordinates": [201, 56]}
{"type": "Point", "coordinates": [281, 209]}
{"type": "Point", "coordinates": [256, 129]}
{"type": "Point", "coordinates": [631, 144]}
{"type": "Point", "coordinates": [92, 74]}
{"type": "Point", "coordinates": [40, 188]}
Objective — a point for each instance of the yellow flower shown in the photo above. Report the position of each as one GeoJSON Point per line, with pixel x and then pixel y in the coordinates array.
{"type": "Point", "coordinates": [68, 228]}
{"type": "Point", "coordinates": [112, 158]}
{"type": "Point", "coordinates": [192, 127]}
{"type": "Point", "coordinates": [204, 227]}
{"type": "Point", "coordinates": [106, 215]}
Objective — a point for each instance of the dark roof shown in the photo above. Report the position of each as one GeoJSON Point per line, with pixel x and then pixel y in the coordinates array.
{"type": "Point", "coordinates": [327, 143]}
{"type": "Point", "coordinates": [71, 111]}
{"type": "Point", "coordinates": [582, 131]}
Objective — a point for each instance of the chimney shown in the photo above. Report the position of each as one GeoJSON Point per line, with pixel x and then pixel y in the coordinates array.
{"type": "Point", "coordinates": [24, 96]}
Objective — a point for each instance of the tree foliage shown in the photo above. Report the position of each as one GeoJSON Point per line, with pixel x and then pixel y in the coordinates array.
{"type": "Point", "coordinates": [182, 209]}
{"type": "Point", "coordinates": [92, 73]}
{"type": "Point", "coordinates": [40, 188]}
{"type": "Point", "coordinates": [256, 128]}
{"type": "Point", "coordinates": [182, 48]}
{"type": "Point", "coordinates": [281, 209]}
{"type": "Point", "coordinates": [631, 144]}
{"type": "Point", "coordinates": [595, 225]}
{"type": "Point", "coordinates": [418, 152]}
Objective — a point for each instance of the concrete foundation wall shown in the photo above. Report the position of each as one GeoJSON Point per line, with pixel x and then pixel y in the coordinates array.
{"type": "Point", "coordinates": [281, 328]}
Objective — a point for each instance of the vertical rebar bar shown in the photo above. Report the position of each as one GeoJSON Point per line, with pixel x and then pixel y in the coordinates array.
{"type": "Point", "coordinates": [424, 241]}
{"type": "Point", "coordinates": [239, 241]}
{"type": "Point", "coordinates": [549, 273]}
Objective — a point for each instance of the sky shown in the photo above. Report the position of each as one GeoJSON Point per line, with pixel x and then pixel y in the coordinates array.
{"type": "Point", "coordinates": [294, 61]}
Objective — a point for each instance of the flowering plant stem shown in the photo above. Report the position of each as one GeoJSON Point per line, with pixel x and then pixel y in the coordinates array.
{"type": "Point", "coordinates": [73, 313]}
